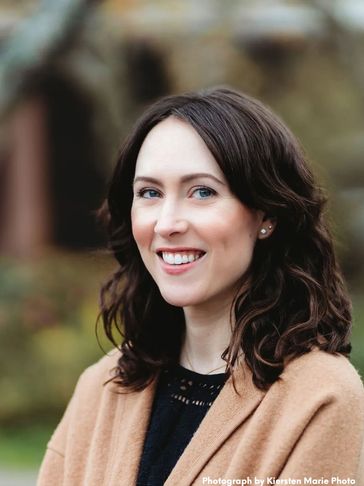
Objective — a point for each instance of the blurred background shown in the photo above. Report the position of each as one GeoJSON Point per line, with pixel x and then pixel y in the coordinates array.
{"type": "Point", "coordinates": [74, 75]}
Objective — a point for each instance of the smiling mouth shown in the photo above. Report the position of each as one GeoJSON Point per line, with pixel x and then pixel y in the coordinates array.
{"type": "Point", "coordinates": [180, 258]}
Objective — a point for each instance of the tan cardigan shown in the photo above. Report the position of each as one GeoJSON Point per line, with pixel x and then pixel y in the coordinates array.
{"type": "Point", "coordinates": [310, 424]}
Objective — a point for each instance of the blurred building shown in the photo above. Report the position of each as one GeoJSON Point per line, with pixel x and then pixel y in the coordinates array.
{"type": "Point", "coordinates": [74, 74]}
{"type": "Point", "coordinates": [68, 85]}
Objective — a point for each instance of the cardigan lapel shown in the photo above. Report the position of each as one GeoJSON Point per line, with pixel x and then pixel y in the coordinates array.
{"type": "Point", "coordinates": [132, 419]}
{"type": "Point", "coordinates": [227, 412]}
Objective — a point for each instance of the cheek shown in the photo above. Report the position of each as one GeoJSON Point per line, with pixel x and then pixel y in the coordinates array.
{"type": "Point", "coordinates": [245, 240]}
{"type": "Point", "coordinates": [237, 228]}
{"type": "Point", "coordinates": [141, 228]}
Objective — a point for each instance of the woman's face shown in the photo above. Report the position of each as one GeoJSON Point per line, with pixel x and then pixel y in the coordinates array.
{"type": "Point", "coordinates": [195, 237]}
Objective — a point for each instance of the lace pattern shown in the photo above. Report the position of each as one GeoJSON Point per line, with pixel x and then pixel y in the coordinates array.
{"type": "Point", "coordinates": [192, 388]}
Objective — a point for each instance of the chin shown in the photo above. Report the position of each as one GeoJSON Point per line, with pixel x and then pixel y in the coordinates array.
{"type": "Point", "coordinates": [180, 300]}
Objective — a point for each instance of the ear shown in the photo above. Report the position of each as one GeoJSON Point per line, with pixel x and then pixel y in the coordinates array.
{"type": "Point", "coordinates": [267, 227]}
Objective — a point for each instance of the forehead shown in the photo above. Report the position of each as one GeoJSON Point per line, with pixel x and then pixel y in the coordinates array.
{"type": "Point", "coordinates": [174, 147]}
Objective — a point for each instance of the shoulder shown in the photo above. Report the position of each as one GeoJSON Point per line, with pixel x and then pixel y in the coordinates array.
{"type": "Point", "coordinates": [99, 372]}
{"type": "Point", "coordinates": [94, 384]}
{"type": "Point", "coordinates": [89, 396]}
{"type": "Point", "coordinates": [325, 375]}
{"type": "Point", "coordinates": [103, 368]}
{"type": "Point", "coordinates": [318, 388]}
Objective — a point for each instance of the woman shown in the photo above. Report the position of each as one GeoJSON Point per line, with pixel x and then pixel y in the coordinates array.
{"type": "Point", "coordinates": [233, 366]}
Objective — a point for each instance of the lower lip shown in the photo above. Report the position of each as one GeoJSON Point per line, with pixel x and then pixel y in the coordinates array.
{"type": "Point", "coordinates": [178, 269]}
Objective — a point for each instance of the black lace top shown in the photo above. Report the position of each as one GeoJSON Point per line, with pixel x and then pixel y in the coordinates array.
{"type": "Point", "coordinates": [182, 399]}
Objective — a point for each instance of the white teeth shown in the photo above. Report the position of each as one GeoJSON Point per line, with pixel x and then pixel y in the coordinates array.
{"type": "Point", "coordinates": [180, 258]}
{"type": "Point", "coordinates": [168, 258]}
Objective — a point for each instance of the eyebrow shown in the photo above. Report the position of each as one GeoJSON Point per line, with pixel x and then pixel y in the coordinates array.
{"type": "Point", "coordinates": [186, 178]}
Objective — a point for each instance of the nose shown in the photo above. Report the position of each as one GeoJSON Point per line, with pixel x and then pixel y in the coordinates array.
{"type": "Point", "coordinates": [170, 220]}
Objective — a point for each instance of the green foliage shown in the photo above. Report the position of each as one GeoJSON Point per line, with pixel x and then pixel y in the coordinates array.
{"type": "Point", "coordinates": [23, 446]}
{"type": "Point", "coordinates": [47, 331]}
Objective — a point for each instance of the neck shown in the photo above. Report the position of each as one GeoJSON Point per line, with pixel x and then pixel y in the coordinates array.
{"type": "Point", "coordinates": [207, 335]}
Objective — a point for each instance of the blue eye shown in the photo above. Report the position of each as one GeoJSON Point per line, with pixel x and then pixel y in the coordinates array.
{"type": "Point", "coordinates": [204, 192]}
{"type": "Point", "coordinates": [152, 193]}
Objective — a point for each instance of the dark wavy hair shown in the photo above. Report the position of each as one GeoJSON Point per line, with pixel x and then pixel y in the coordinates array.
{"type": "Point", "coordinates": [295, 300]}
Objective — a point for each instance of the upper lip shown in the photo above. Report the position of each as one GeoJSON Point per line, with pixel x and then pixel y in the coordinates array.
{"type": "Point", "coordinates": [177, 249]}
